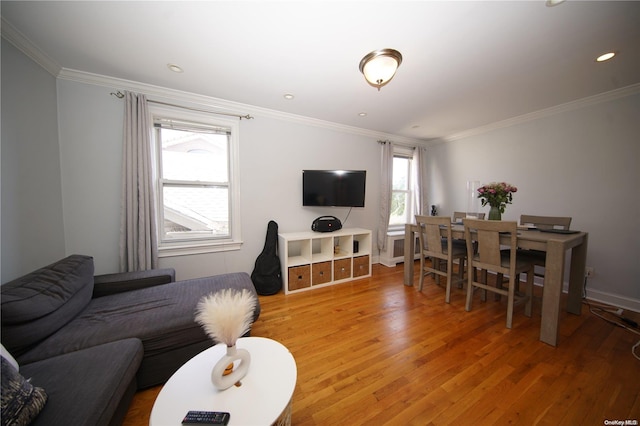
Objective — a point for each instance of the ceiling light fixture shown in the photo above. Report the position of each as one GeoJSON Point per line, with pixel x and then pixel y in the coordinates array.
{"type": "Point", "coordinates": [605, 57]}
{"type": "Point", "coordinates": [380, 66]}
{"type": "Point", "coordinates": [288, 96]}
{"type": "Point", "coordinates": [174, 68]}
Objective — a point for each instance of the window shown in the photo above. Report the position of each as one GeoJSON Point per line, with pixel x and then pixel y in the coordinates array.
{"type": "Point", "coordinates": [196, 187]}
{"type": "Point", "coordinates": [402, 188]}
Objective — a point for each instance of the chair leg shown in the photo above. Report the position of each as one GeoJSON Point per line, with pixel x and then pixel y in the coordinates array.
{"type": "Point", "coordinates": [528, 307]}
{"type": "Point", "coordinates": [510, 301]}
{"type": "Point", "coordinates": [469, 289]}
{"type": "Point", "coordinates": [484, 280]}
{"type": "Point", "coordinates": [460, 272]}
{"type": "Point", "coordinates": [421, 273]}
{"type": "Point", "coordinates": [499, 282]}
{"type": "Point", "coordinates": [435, 264]}
{"type": "Point", "coordinates": [447, 297]}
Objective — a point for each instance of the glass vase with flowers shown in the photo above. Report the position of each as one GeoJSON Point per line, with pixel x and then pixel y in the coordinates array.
{"type": "Point", "coordinates": [497, 195]}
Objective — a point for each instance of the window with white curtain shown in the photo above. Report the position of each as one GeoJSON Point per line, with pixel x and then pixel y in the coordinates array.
{"type": "Point", "coordinates": [196, 182]}
{"type": "Point", "coordinates": [402, 188]}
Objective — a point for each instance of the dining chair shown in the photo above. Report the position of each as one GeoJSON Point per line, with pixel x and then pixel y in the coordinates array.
{"type": "Point", "coordinates": [490, 256]}
{"type": "Point", "coordinates": [538, 257]}
{"type": "Point", "coordinates": [458, 216]}
{"type": "Point", "coordinates": [439, 250]}
{"type": "Point", "coordinates": [546, 222]}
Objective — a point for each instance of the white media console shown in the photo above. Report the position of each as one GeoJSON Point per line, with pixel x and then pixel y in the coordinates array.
{"type": "Point", "coordinates": [315, 259]}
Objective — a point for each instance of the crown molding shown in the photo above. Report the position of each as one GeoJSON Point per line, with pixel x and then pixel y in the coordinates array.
{"type": "Point", "coordinates": [547, 112]}
{"type": "Point", "coordinates": [164, 94]}
{"type": "Point", "coordinates": [22, 43]}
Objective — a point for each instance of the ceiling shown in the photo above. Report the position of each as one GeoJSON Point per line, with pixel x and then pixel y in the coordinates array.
{"type": "Point", "coordinates": [465, 64]}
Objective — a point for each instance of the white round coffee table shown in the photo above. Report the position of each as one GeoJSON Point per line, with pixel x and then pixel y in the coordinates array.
{"type": "Point", "coordinates": [264, 397]}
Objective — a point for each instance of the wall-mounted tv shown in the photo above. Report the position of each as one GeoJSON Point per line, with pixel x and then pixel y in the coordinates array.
{"type": "Point", "coordinates": [333, 188]}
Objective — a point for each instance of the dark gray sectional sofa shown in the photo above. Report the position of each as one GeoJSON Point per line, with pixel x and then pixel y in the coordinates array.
{"type": "Point", "coordinates": [91, 342]}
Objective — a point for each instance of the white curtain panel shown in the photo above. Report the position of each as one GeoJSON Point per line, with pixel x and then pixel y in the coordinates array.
{"type": "Point", "coordinates": [420, 179]}
{"type": "Point", "coordinates": [138, 237]}
{"type": "Point", "coordinates": [386, 180]}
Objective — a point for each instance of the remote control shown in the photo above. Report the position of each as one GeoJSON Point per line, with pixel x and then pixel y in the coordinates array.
{"type": "Point", "coordinates": [206, 418]}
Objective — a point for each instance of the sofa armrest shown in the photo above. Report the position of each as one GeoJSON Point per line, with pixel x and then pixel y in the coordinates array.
{"type": "Point", "coordinates": [104, 285]}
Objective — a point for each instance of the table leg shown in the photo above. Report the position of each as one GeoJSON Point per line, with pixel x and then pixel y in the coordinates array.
{"type": "Point", "coordinates": [576, 277]}
{"type": "Point", "coordinates": [552, 290]}
{"type": "Point", "coordinates": [409, 237]}
{"type": "Point", "coordinates": [285, 417]}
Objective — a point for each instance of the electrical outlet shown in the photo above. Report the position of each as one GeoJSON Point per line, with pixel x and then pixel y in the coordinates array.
{"type": "Point", "coordinates": [589, 272]}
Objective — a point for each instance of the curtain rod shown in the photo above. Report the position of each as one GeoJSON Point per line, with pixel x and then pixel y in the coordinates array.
{"type": "Point", "coordinates": [397, 143]}
{"type": "Point", "coordinates": [120, 95]}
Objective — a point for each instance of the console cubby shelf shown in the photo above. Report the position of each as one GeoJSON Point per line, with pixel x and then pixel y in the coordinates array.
{"type": "Point", "coordinates": [317, 259]}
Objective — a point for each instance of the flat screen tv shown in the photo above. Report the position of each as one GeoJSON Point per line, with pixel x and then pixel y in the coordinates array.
{"type": "Point", "coordinates": [333, 188]}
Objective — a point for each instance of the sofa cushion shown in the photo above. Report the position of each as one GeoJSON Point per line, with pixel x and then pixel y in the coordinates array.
{"type": "Point", "coordinates": [107, 284]}
{"type": "Point", "coordinates": [161, 316]}
{"type": "Point", "coordinates": [87, 387]}
{"type": "Point", "coordinates": [38, 304]}
{"type": "Point", "coordinates": [21, 401]}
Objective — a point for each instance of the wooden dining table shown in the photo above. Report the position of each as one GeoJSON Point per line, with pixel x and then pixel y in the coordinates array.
{"type": "Point", "coordinates": [556, 247]}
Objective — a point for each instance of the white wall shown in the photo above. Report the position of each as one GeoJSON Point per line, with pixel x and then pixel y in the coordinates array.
{"type": "Point", "coordinates": [32, 227]}
{"type": "Point", "coordinates": [91, 128]}
{"type": "Point", "coordinates": [273, 153]}
{"type": "Point", "coordinates": [582, 163]}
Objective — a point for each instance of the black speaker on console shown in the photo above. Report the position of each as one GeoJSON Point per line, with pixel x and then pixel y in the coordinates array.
{"type": "Point", "coordinates": [326, 224]}
{"type": "Point", "coordinates": [356, 246]}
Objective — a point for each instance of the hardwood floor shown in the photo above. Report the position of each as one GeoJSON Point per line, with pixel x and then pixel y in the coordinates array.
{"type": "Point", "coordinates": [376, 352]}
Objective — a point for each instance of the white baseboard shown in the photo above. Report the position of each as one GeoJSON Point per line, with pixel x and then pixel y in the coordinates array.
{"type": "Point", "coordinates": [602, 297]}
{"type": "Point", "coordinates": [613, 300]}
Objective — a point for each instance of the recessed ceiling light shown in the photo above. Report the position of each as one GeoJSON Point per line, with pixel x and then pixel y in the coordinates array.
{"type": "Point", "coordinates": [605, 57]}
{"type": "Point", "coordinates": [174, 68]}
{"type": "Point", "coordinates": [289, 96]}
{"type": "Point", "coordinates": [363, 114]}
{"type": "Point", "coordinates": [551, 3]}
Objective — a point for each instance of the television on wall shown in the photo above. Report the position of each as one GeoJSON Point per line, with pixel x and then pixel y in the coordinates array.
{"type": "Point", "coordinates": [333, 188]}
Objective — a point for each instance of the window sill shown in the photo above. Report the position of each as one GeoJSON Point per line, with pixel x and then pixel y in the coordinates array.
{"type": "Point", "coordinates": [396, 228]}
{"type": "Point", "coordinates": [185, 249]}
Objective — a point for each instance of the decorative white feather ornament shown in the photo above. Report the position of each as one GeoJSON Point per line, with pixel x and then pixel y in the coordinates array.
{"type": "Point", "coordinates": [226, 314]}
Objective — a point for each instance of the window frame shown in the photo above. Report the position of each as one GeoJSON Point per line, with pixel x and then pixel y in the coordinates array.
{"type": "Point", "coordinates": [406, 153]}
{"type": "Point", "coordinates": [194, 244]}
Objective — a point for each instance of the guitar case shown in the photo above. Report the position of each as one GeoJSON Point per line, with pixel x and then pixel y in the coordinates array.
{"type": "Point", "coordinates": [266, 275]}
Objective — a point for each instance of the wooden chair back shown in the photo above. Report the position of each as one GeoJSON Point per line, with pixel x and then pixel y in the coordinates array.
{"type": "Point", "coordinates": [546, 222]}
{"type": "Point", "coordinates": [457, 216]}
{"type": "Point", "coordinates": [429, 235]}
{"type": "Point", "coordinates": [486, 234]}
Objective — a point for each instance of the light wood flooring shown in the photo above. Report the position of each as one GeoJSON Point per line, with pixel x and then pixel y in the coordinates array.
{"type": "Point", "coordinates": [377, 352]}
